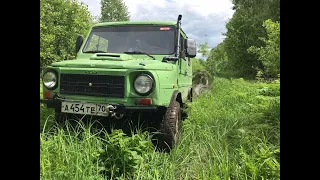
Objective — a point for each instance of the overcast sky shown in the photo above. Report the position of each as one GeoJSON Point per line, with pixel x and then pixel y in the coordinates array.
{"type": "Point", "coordinates": [202, 20]}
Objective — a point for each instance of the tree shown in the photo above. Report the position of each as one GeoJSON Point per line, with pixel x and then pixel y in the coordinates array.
{"type": "Point", "coordinates": [114, 10]}
{"type": "Point", "coordinates": [204, 49]}
{"type": "Point", "coordinates": [198, 65]}
{"type": "Point", "coordinates": [61, 21]}
{"type": "Point", "coordinates": [217, 60]}
{"type": "Point", "coordinates": [244, 30]}
{"type": "Point", "coordinates": [269, 55]}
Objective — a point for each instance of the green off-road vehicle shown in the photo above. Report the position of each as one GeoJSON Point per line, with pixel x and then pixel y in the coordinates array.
{"type": "Point", "coordinates": [125, 68]}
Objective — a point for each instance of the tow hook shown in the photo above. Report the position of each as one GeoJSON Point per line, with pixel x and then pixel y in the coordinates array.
{"type": "Point", "coordinates": [110, 110]}
{"type": "Point", "coordinates": [57, 97]}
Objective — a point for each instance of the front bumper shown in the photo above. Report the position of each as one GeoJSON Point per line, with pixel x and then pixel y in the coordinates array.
{"type": "Point", "coordinates": [56, 101]}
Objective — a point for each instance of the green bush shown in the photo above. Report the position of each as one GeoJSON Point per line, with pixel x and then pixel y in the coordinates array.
{"type": "Point", "coordinates": [122, 155]}
{"type": "Point", "coordinates": [269, 55]}
{"type": "Point", "coordinates": [61, 21]}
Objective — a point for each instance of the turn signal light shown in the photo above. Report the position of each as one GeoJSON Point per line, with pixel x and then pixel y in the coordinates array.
{"type": "Point", "coordinates": [47, 94]}
{"type": "Point", "coordinates": [144, 101]}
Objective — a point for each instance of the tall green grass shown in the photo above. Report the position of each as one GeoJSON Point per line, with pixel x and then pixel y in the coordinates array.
{"type": "Point", "coordinates": [46, 115]}
{"type": "Point", "coordinates": [232, 132]}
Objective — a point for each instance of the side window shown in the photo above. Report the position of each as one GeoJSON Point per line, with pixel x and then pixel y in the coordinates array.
{"type": "Point", "coordinates": [182, 47]}
{"type": "Point", "coordinates": [98, 43]}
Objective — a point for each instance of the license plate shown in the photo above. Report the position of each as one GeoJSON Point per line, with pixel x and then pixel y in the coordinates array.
{"type": "Point", "coordinates": [84, 108]}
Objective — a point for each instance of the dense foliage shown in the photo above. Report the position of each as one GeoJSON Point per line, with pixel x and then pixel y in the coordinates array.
{"type": "Point", "coordinates": [114, 10]}
{"type": "Point", "coordinates": [269, 55]}
{"type": "Point", "coordinates": [244, 30]}
{"type": "Point", "coordinates": [203, 49]}
{"type": "Point", "coordinates": [61, 21]}
{"type": "Point", "coordinates": [217, 60]}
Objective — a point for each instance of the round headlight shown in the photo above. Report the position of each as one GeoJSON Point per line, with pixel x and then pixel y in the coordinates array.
{"type": "Point", "coordinates": [49, 80]}
{"type": "Point", "coordinates": [143, 84]}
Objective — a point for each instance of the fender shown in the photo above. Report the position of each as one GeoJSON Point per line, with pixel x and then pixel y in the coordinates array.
{"type": "Point", "coordinates": [176, 96]}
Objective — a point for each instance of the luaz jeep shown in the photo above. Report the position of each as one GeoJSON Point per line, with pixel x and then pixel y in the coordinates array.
{"type": "Point", "coordinates": [122, 68]}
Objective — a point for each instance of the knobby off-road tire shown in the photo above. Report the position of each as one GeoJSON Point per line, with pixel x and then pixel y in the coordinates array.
{"type": "Point", "coordinates": [170, 127]}
{"type": "Point", "coordinates": [190, 95]}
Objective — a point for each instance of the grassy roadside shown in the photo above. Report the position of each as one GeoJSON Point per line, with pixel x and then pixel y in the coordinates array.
{"type": "Point", "coordinates": [46, 115]}
{"type": "Point", "coordinates": [233, 132]}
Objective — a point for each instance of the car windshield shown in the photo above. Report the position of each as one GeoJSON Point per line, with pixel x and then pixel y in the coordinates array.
{"type": "Point", "coordinates": [120, 39]}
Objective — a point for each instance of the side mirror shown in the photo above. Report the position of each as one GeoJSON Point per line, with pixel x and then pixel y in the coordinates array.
{"type": "Point", "coordinates": [79, 43]}
{"type": "Point", "coordinates": [191, 48]}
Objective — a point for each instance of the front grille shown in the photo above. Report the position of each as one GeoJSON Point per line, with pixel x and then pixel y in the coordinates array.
{"type": "Point", "coordinates": [92, 85]}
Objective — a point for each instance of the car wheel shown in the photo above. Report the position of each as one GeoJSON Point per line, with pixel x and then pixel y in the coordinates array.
{"type": "Point", "coordinates": [170, 126]}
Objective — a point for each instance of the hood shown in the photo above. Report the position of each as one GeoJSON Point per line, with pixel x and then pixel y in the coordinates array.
{"type": "Point", "coordinates": [116, 61]}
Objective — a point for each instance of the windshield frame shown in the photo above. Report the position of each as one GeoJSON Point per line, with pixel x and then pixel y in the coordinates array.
{"type": "Point", "coordinates": [135, 25]}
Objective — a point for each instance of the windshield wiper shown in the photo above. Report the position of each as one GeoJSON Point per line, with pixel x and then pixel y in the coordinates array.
{"type": "Point", "coordinates": [140, 52]}
{"type": "Point", "coordinates": [94, 52]}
